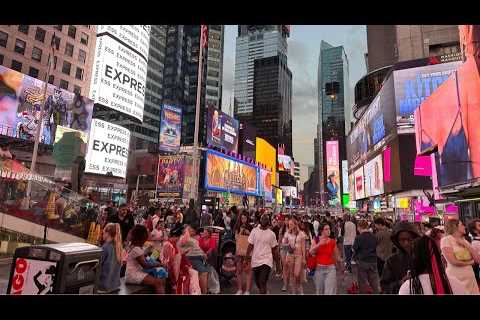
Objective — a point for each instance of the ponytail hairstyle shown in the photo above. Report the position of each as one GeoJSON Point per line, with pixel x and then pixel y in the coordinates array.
{"type": "Point", "coordinates": [113, 229]}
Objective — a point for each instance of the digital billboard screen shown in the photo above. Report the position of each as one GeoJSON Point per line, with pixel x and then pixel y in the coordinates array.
{"type": "Point", "coordinates": [345, 186]}
{"type": "Point", "coordinates": [265, 184]}
{"type": "Point", "coordinates": [289, 191]}
{"type": "Point", "coordinates": [226, 174]}
{"type": "Point", "coordinates": [267, 155]}
{"type": "Point", "coordinates": [170, 129]}
{"type": "Point", "coordinates": [222, 130]}
{"type": "Point", "coordinates": [373, 172]}
{"type": "Point", "coordinates": [285, 163]}
{"type": "Point", "coordinates": [108, 148]}
{"type": "Point", "coordinates": [333, 170]}
{"type": "Point", "coordinates": [247, 144]}
{"type": "Point", "coordinates": [21, 100]}
{"type": "Point", "coordinates": [359, 184]}
{"type": "Point", "coordinates": [414, 85]}
{"type": "Point", "coordinates": [170, 176]}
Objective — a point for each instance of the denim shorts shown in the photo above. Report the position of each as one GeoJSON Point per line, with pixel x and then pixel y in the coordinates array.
{"type": "Point", "coordinates": [199, 263]}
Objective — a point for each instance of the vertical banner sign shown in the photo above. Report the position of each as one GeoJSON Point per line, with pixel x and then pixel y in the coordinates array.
{"type": "Point", "coordinates": [170, 129]}
{"type": "Point", "coordinates": [359, 184]}
{"type": "Point", "coordinates": [170, 177]}
{"type": "Point", "coordinates": [107, 149]}
{"type": "Point", "coordinates": [333, 171]}
{"type": "Point", "coordinates": [120, 68]}
{"type": "Point", "coordinates": [374, 177]}
{"type": "Point", "coordinates": [345, 176]}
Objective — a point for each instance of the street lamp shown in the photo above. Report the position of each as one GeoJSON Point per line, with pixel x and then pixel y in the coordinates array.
{"type": "Point", "coordinates": [136, 189]}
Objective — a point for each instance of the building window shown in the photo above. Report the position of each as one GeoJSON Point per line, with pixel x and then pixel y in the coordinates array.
{"type": "Point", "coordinates": [51, 78]}
{"type": "Point", "coordinates": [1, 58]}
{"type": "Point", "coordinates": [77, 89]}
{"type": "Point", "coordinates": [64, 84]}
{"type": "Point", "coordinates": [66, 68]}
{"type": "Point", "coordinates": [40, 34]}
{"type": "Point", "coordinates": [37, 54]}
{"type": "Point", "coordinates": [33, 72]}
{"type": "Point", "coordinates": [55, 62]}
{"type": "Point", "coordinates": [82, 56]}
{"type": "Point", "coordinates": [59, 27]}
{"type": "Point", "coordinates": [79, 74]}
{"type": "Point", "coordinates": [69, 50]}
{"type": "Point", "coordinates": [17, 66]}
{"type": "Point", "coordinates": [84, 38]}
{"type": "Point", "coordinates": [23, 28]}
{"type": "Point", "coordinates": [20, 46]}
{"type": "Point", "coordinates": [72, 32]}
{"type": "Point", "coordinates": [56, 41]}
{"type": "Point", "coordinates": [3, 38]}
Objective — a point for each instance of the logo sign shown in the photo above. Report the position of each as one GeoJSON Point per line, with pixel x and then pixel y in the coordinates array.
{"type": "Point", "coordinates": [33, 277]}
{"type": "Point", "coordinates": [120, 71]}
{"type": "Point", "coordinates": [170, 129]}
{"type": "Point", "coordinates": [107, 149]}
{"type": "Point", "coordinates": [170, 176]}
{"type": "Point", "coordinates": [222, 130]}
{"type": "Point", "coordinates": [231, 175]}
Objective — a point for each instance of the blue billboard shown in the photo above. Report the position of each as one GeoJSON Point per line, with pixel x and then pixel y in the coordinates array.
{"type": "Point", "coordinates": [170, 129]}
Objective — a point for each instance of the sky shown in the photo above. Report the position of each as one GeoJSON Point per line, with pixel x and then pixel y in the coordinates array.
{"type": "Point", "coordinates": [303, 51]}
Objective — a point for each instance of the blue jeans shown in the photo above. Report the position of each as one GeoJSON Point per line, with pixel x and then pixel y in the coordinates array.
{"type": "Point", "coordinates": [348, 257]}
{"type": "Point", "coordinates": [326, 280]}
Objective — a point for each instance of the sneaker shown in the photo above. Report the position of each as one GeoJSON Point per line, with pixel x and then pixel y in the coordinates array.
{"type": "Point", "coordinates": [239, 292]}
{"type": "Point", "coordinates": [247, 293]}
{"type": "Point", "coordinates": [284, 288]}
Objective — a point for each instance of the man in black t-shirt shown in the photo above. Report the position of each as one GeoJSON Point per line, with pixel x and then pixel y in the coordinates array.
{"type": "Point", "coordinates": [124, 219]}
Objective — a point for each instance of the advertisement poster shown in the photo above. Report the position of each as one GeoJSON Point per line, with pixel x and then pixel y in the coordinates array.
{"type": "Point", "coordinates": [107, 150]}
{"type": "Point", "coordinates": [376, 126]}
{"type": "Point", "coordinates": [265, 184]}
{"type": "Point", "coordinates": [351, 186]}
{"type": "Point", "coordinates": [21, 100]}
{"type": "Point", "coordinates": [68, 146]}
{"type": "Point", "coordinates": [247, 144]}
{"type": "Point", "coordinates": [119, 76]}
{"type": "Point", "coordinates": [226, 174]}
{"type": "Point", "coordinates": [267, 155]}
{"type": "Point", "coordinates": [373, 171]}
{"type": "Point", "coordinates": [289, 191]}
{"type": "Point", "coordinates": [170, 128]}
{"type": "Point", "coordinates": [285, 163]}
{"type": "Point", "coordinates": [345, 176]}
{"type": "Point", "coordinates": [413, 86]}
{"type": "Point", "coordinates": [359, 184]}
{"type": "Point", "coordinates": [170, 176]}
{"type": "Point", "coordinates": [222, 130]}
{"type": "Point", "coordinates": [33, 277]}
{"type": "Point", "coordinates": [333, 170]}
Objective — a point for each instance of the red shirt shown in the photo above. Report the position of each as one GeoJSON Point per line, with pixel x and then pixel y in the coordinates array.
{"type": "Point", "coordinates": [325, 253]}
{"type": "Point", "coordinates": [207, 244]}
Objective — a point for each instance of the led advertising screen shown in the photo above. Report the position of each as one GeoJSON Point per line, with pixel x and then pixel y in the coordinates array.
{"type": "Point", "coordinates": [414, 85]}
{"type": "Point", "coordinates": [359, 184]}
{"type": "Point", "coordinates": [267, 155]}
{"type": "Point", "coordinates": [351, 185]}
{"type": "Point", "coordinates": [21, 100]}
{"type": "Point", "coordinates": [222, 130]}
{"type": "Point", "coordinates": [107, 149]}
{"type": "Point", "coordinates": [345, 176]}
{"type": "Point", "coordinates": [170, 176]}
{"type": "Point", "coordinates": [229, 175]}
{"type": "Point", "coordinates": [247, 144]}
{"type": "Point", "coordinates": [375, 128]}
{"type": "Point", "coordinates": [265, 184]}
{"type": "Point", "coordinates": [285, 163]}
{"type": "Point", "coordinates": [373, 171]}
{"type": "Point", "coordinates": [333, 170]}
{"type": "Point", "coordinates": [119, 74]}
{"type": "Point", "coordinates": [278, 196]}
{"type": "Point", "coordinates": [289, 191]}
{"type": "Point", "coordinates": [170, 129]}
{"type": "Point", "coordinates": [136, 37]}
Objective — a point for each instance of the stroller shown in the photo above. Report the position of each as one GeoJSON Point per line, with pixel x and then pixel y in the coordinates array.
{"type": "Point", "coordinates": [224, 262]}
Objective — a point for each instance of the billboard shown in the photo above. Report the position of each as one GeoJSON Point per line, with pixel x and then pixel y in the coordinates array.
{"type": "Point", "coordinates": [33, 277]}
{"type": "Point", "coordinates": [229, 175]}
{"type": "Point", "coordinates": [222, 130]}
{"type": "Point", "coordinates": [247, 144]}
{"type": "Point", "coordinates": [285, 163]}
{"type": "Point", "coordinates": [170, 129]}
{"type": "Point", "coordinates": [278, 196]}
{"type": "Point", "coordinates": [351, 186]}
{"type": "Point", "coordinates": [21, 100]}
{"type": "Point", "coordinates": [265, 184]}
{"type": "Point", "coordinates": [170, 176]}
{"type": "Point", "coordinates": [108, 148]}
{"type": "Point", "coordinates": [376, 126]}
{"type": "Point", "coordinates": [414, 85]}
{"type": "Point", "coordinates": [267, 155]}
{"type": "Point", "coordinates": [289, 191]}
{"type": "Point", "coordinates": [333, 170]}
{"type": "Point", "coordinates": [359, 184]}
{"type": "Point", "coordinates": [345, 176]}
{"type": "Point", "coordinates": [373, 172]}
{"type": "Point", "coordinates": [120, 70]}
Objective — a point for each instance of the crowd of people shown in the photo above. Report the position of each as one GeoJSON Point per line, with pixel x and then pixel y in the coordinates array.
{"type": "Point", "coordinates": [178, 250]}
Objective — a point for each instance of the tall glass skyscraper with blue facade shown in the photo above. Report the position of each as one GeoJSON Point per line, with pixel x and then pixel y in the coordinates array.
{"type": "Point", "coordinates": [334, 108]}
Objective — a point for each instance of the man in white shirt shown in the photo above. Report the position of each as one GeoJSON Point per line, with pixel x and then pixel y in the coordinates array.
{"type": "Point", "coordinates": [348, 239]}
{"type": "Point", "coordinates": [262, 250]}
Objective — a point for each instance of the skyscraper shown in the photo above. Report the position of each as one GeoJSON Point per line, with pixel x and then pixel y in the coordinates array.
{"type": "Point", "coordinates": [333, 102]}
{"type": "Point", "coordinates": [254, 42]}
{"type": "Point", "coordinates": [389, 44]}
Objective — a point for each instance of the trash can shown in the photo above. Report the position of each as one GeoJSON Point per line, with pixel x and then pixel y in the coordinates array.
{"type": "Point", "coordinates": [67, 268]}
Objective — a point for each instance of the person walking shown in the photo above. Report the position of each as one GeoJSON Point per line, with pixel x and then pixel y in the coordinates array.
{"type": "Point", "coordinates": [262, 251]}
{"type": "Point", "coordinates": [327, 256]}
{"type": "Point", "coordinates": [460, 255]}
{"type": "Point", "coordinates": [384, 243]}
{"type": "Point", "coordinates": [348, 238]}
{"type": "Point", "coordinates": [474, 230]}
{"type": "Point", "coordinates": [295, 240]}
{"type": "Point", "coordinates": [365, 254]}
{"type": "Point", "coordinates": [242, 231]}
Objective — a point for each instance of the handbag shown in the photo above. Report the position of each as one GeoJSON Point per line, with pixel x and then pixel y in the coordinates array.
{"type": "Point", "coordinates": [241, 245]}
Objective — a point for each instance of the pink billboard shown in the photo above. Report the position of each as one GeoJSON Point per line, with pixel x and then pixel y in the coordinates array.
{"type": "Point", "coordinates": [333, 169]}
{"type": "Point", "coordinates": [387, 169]}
